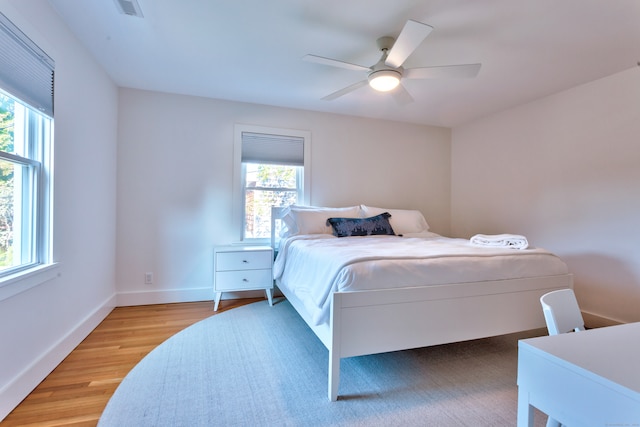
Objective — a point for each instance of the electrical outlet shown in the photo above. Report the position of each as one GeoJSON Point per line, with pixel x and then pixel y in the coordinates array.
{"type": "Point", "coordinates": [148, 278]}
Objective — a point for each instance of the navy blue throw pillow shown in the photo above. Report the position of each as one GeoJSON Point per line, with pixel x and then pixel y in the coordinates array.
{"type": "Point", "coordinates": [375, 225]}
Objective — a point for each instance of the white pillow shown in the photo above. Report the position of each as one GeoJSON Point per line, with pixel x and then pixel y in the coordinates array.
{"type": "Point", "coordinates": [313, 219]}
{"type": "Point", "coordinates": [403, 221]}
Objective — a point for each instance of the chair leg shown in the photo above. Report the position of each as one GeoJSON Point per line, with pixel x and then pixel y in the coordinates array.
{"type": "Point", "coordinates": [552, 423]}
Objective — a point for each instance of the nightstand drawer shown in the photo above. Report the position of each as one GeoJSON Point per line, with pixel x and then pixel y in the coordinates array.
{"type": "Point", "coordinates": [243, 280]}
{"type": "Point", "coordinates": [244, 260]}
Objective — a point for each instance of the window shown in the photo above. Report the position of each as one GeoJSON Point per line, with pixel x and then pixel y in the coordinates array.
{"type": "Point", "coordinates": [267, 185]}
{"type": "Point", "coordinates": [26, 126]}
{"type": "Point", "coordinates": [273, 171]}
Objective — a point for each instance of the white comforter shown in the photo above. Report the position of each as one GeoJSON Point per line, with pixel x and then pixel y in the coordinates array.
{"type": "Point", "coordinates": [315, 266]}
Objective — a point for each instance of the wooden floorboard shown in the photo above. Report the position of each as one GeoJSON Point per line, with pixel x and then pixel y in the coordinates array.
{"type": "Point", "coordinates": [77, 391]}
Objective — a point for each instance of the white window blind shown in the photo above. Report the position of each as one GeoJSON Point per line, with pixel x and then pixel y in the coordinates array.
{"type": "Point", "coordinates": [26, 71]}
{"type": "Point", "coordinates": [272, 149]}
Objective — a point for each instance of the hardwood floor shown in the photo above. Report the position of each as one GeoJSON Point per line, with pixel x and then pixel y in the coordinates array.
{"type": "Point", "coordinates": [77, 391]}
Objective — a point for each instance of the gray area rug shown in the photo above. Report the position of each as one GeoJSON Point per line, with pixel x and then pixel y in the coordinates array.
{"type": "Point", "coordinates": [260, 365]}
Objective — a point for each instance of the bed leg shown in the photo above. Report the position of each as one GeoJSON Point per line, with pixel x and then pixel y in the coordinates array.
{"type": "Point", "coordinates": [335, 318]}
{"type": "Point", "coordinates": [334, 376]}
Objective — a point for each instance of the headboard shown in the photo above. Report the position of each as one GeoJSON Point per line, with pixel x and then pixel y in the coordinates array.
{"type": "Point", "coordinates": [277, 212]}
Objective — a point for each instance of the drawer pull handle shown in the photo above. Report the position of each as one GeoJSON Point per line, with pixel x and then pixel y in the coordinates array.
{"type": "Point", "coordinates": [245, 261]}
{"type": "Point", "coordinates": [245, 280]}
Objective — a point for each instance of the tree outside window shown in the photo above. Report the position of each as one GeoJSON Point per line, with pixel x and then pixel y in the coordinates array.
{"type": "Point", "coordinates": [267, 185]}
{"type": "Point", "coordinates": [7, 106]}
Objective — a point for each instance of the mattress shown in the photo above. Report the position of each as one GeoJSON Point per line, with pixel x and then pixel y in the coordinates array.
{"type": "Point", "coordinates": [314, 266]}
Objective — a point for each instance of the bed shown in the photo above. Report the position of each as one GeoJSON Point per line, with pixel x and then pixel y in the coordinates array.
{"type": "Point", "coordinates": [403, 287]}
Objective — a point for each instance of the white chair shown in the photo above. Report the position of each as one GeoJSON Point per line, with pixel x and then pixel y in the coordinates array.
{"type": "Point", "coordinates": [562, 314]}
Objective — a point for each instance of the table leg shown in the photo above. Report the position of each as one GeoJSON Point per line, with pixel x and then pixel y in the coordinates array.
{"type": "Point", "coordinates": [525, 414]}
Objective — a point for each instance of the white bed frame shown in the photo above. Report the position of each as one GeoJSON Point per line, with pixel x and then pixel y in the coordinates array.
{"type": "Point", "coordinates": [378, 321]}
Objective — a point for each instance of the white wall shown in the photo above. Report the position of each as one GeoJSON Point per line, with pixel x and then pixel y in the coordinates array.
{"type": "Point", "coordinates": [40, 326]}
{"type": "Point", "coordinates": [175, 178]}
{"type": "Point", "coordinates": [565, 171]}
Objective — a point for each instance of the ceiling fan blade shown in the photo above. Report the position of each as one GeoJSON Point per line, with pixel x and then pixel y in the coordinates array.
{"type": "Point", "coordinates": [446, 71]}
{"type": "Point", "coordinates": [410, 37]}
{"type": "Point", "coordinates": [334, 63]}
{"type": "Point", "coordinates": [401, 95]}
{"type": "Point", "coordinates": [346, 90]}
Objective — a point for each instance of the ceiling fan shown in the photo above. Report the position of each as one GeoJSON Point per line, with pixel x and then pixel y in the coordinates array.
{"type": "Point", "coordinates": [385, 75]}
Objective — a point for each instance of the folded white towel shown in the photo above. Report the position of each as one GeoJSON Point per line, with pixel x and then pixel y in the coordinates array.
{"type": "Point", "coordinates": [514, 241]}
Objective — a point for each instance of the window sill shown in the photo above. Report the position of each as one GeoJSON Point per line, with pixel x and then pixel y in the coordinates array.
{"type": "Point", "coordinates": [24, 280]}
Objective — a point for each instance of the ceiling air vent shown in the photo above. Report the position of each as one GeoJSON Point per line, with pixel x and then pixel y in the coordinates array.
{"type": "Point", "coordinates": [129, 7]}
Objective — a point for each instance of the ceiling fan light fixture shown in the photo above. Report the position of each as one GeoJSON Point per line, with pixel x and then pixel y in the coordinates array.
{"type": "Point", "coordinates": [384, 80]}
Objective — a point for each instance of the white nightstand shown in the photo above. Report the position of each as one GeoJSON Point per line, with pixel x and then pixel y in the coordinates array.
{"type": "Point", "coordinates": [242, 268]}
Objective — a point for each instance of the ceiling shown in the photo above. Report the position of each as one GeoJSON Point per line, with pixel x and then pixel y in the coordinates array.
{"type": "Point", "coordinates": [251, 50]}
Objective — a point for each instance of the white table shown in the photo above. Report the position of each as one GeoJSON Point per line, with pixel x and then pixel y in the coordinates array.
{"type": "Point", "coordinates": [582, 379]}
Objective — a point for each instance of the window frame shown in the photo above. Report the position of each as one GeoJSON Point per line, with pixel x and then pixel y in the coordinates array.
{"type": "Point", "coordinates": [303, 178]}
{"type": "Point", "coordinates": [27, 78]}
{"type": "Point", "coordinates": [38, 135]}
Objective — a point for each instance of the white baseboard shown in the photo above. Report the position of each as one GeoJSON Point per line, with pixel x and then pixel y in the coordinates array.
{"type": "Point", "coordinates": [592, 320]}
{"type": "Point", "coordinates": [26, 381]}
{"type": "Point", "coordinates": [169, 296]}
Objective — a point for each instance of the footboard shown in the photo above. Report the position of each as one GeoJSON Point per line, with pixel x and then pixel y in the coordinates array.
{"type": "Point", "coordinates": [369, 322]}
